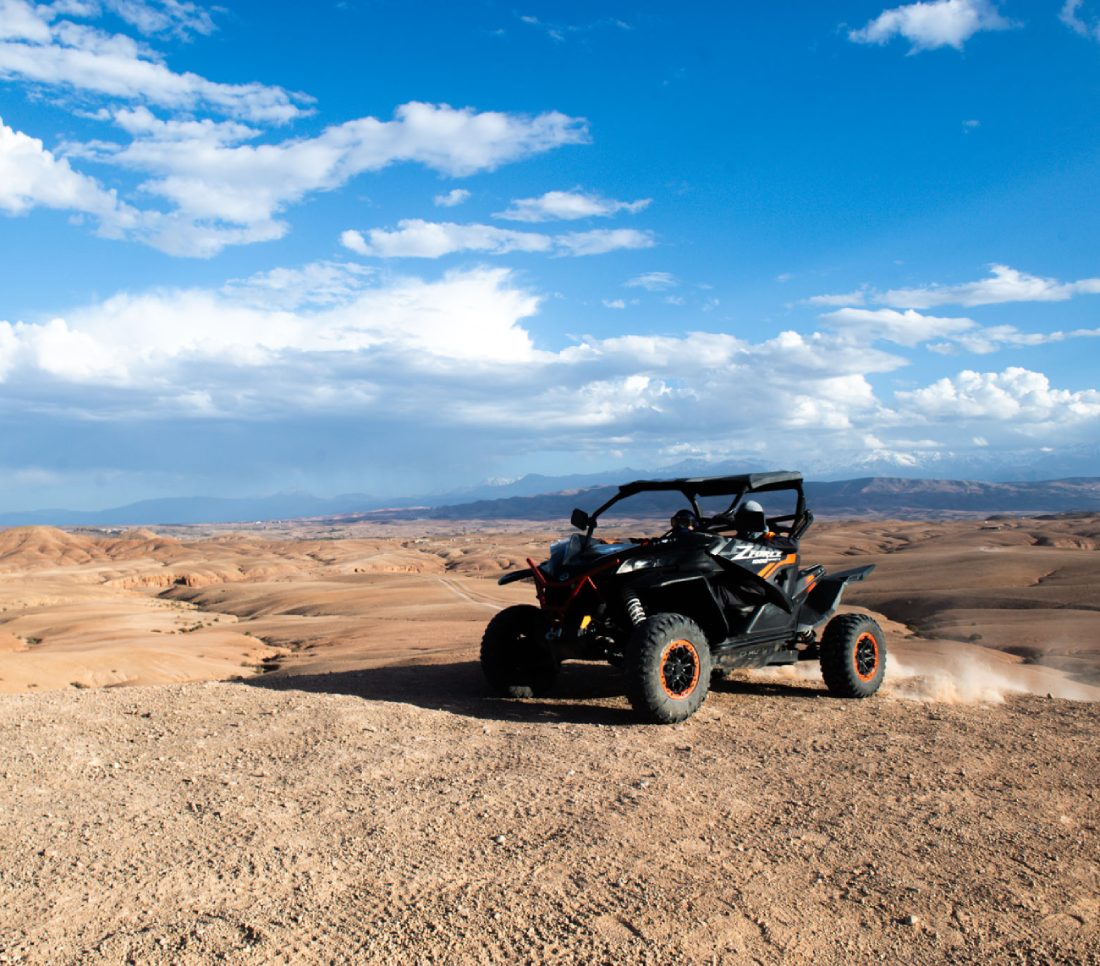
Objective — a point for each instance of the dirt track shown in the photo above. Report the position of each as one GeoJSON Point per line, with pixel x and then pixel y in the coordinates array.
{"type": "Point", "coordinates": [398, 815]}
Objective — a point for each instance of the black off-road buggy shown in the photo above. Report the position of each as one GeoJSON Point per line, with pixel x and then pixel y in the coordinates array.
{"type": "Point", "coordinates": [719, 591]}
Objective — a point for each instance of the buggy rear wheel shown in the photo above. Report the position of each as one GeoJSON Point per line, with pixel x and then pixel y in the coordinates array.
{"type": "Point", "coordinates": [668, 668]}
{"type": "Point", "coordinates": [853, 656]}
{"type": "Point", "coordinates": [516, 658]}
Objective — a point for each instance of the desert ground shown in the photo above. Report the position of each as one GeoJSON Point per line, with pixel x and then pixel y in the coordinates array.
{"type": "Point", "coordinates": [273, 744]}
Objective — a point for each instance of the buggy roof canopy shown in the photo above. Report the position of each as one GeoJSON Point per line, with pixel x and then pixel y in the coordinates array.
{"type": "Point", "coordinates": [717, 485]}
{"type": "Point", "coordinates": [693, 487]}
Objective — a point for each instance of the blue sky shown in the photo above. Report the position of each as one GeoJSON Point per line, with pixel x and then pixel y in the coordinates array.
{"type": "Point", "coordinates": [395, 247]}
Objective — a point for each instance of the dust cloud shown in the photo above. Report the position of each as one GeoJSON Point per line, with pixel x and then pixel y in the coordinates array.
{"type": "Point", "coordinates": [951, 672]}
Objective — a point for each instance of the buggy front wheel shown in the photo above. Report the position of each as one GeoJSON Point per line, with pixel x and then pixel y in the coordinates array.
{"type": "Point", "coordinates": [516, 658]}
{"type": "Point", "coordinates": [668, 668]}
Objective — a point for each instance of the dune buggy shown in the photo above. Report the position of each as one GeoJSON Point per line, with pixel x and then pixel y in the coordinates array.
{"type": "Point", "coordinates": [723, 589]}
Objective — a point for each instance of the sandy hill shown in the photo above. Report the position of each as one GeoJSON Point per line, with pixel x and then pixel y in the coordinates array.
{"type": "Point", "coordinates": [26, 547]}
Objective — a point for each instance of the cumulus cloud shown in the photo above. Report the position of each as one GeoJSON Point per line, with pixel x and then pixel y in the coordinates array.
{"type": "Point", "coordinates": [327, 338]}
{"type": "Point", "coordinates": [567, 205]}
{"type": "Point", "coordinates": [31, 176]}
{"type": "Point", "coordinates": [907, 328]}
{"type": "Point", "coordinates": [416, 238]}
{"type": "Point", "coordinates": [1015, 395]}
{"type": "Point", "coordinates": [412, 357]}
{"type": "Point", "coordinates": [936, 23]}
{"type": "Point", "coordinates": [144, 342]}
{"type": "Point", "coordinates": [1004, 284]}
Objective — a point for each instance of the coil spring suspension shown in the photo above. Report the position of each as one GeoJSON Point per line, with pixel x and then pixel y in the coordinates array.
{"type": "Point", "coordinates": [634, 609]}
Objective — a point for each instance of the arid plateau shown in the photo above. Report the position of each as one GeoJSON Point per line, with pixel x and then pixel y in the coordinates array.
{"type": "Point", "coordinates": [274, 744]}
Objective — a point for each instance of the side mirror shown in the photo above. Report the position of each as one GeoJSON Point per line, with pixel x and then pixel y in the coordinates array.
{"type": "Point", "coordinates": [580, 519]}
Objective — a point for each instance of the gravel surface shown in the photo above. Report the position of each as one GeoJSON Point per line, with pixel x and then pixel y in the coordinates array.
{"type": "Point", "coordinates": [399, 815]}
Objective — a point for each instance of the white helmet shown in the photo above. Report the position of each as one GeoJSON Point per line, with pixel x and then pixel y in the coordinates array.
{"type": "Point", "coordinates": [750, 520]}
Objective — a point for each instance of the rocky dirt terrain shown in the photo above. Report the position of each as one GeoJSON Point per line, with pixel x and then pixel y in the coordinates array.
{"type": "Point", "coordinates": [397, 815]}
{"type": "Point", "coordinates": [356, 796]}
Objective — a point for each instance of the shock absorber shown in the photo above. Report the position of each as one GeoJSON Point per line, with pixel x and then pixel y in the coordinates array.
{"type": "Point", "coordinates": [634, 609]}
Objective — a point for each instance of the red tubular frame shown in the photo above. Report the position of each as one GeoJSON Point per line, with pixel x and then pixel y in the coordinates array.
{"type": "Point", "coordinates": [542, 582]}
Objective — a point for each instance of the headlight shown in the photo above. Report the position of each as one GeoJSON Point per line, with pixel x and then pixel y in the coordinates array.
{"type": "Point", "coordinates": [643, 563]}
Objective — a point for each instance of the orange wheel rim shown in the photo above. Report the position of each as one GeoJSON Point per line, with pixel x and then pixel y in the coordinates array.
{"type": "Point", "coordinates": [679, 669]}
{"type": "Point", "coordinates": [865, 656]}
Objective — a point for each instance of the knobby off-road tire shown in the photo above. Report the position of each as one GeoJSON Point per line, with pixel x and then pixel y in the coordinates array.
{"type": "Point", "coordinates": [516, 658]}
{"type": "Point", "coordinates": [668, 668]}
{"type": "Point", "coordinates": [853, 656]}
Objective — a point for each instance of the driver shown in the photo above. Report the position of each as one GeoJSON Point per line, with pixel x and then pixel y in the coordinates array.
{"type": "Point", "coordinates": [684, 521]}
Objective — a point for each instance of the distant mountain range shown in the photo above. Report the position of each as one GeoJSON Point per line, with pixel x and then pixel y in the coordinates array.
{"type": "Point", "coordinates": [536, 497]}
{"type": "Point", "coordinates": [870, 496]}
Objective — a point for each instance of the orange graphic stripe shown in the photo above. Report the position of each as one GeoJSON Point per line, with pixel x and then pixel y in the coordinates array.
{"type": "Point", "coordinates": [773, 567]}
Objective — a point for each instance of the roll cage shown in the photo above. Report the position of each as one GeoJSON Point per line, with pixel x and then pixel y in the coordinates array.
{"type": "Point", "coordinates": [791, 525]}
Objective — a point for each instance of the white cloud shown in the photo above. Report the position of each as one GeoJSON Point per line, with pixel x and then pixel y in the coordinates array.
{"type": "Point", "coordinates": [220, 181]}
{"type": "Point", "coordinates": [1071, 17]}
{"type": "Point", "coordinates": [907, 328]}
{"type": "Point", "coordinates": [602, 240]}
{"type": "Point", "coordinates": [857, 297]}
{"type": "Point", "coordinates": [416, 238]}
{"type": "Point", "coordinates": [1016, 395]}
{"type": "Point", "coordinates": [559, 32]}
{"type": "Point", "coordinates": [454, 197]}
{"type": "Point", "coordinates": [566, 205]}
{"type": "Point", "coordinates": [224, 193]}
{"type": "Point", "coordinates": [71, 55]}
{"type": "Point", "coordinates": [995, 337]}
{"type": "Point", "coordinates": [338, 341]}
{"type": "Point", "coordinates": [314, 285]}
{"type": "Point", "coordinates": [1004, 285]}
{"type": "Point", "coordinates": [614, 303]}
{"type": "Point", "coordinates": [30, 176]}
{"type": "Point", "coordinates": [176, 17]}
{"type": "Point", "coordinates": [145, 342]}
{"type": "Point", "coordinates": [433, 352]}
{"type": "Point", "coordinates": [20, 21]}
{"type": "Point", "coordinates": [652, 281]}
{"type": "Point", "coordinates": [936, 23]}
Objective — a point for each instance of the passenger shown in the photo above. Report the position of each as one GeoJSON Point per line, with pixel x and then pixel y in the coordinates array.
{"type": "Point", "coordinates": [750, 521]}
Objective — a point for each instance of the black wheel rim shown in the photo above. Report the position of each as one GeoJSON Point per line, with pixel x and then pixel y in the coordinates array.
{"type": "Point", "coordinates": [679, 669]}
{"type": "Point", "coordinates": [866, 657]}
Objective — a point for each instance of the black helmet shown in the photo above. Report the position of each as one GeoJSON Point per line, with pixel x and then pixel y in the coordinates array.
{"type": "Point", "coordinates": [685, 520]}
